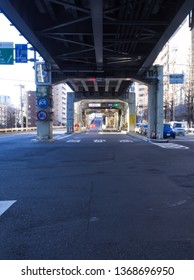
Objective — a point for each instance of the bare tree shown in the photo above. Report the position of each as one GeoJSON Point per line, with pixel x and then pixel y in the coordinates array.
{"type": "Point", "coordinates": [11, 117]}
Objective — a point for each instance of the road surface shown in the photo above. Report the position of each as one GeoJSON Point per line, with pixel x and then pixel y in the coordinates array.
{"type": "Point", "coordinates": [96, 196]}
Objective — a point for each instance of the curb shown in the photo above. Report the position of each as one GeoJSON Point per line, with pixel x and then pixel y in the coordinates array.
{"type": "Point", "coordinates": [158, 140]}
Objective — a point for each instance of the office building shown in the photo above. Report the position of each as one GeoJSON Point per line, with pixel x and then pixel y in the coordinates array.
{"type": "Point", "coordinates": [59, 93]}
{"type": "Point", "coordinates": [31, 108]}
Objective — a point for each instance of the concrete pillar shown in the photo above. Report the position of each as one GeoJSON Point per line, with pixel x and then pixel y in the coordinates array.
{"type": "Point", "coordinates": [155, 105]}
{"type": "Point", "coordinates": [106, 120]}
{"type": "Point", "coordinates": [152, 89]}
{"type": "Point", "coordinates": [128, 118]}
{"type": "Point", "coordinates": [70, 112]}
{"type": "Point", "coordinates": [116, 120]}
{"type": "Point", "coordinates": [132, 113]}
{"type": "Point", "coordinates": [78, 114]}
{"type": "Point", "coordinates": [44, 101]}
{"type": "Point", "coordinates": [44, 113]}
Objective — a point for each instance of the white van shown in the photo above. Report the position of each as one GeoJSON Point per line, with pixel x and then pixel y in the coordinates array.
{"type": "Point", "coordinates": [178, 127]}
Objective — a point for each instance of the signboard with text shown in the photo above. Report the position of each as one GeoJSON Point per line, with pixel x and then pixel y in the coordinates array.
{"type": "Point", "coordinates": [176, 78]}
{"type": "Point", "coordinates": [21, 53]}
{"type": "Point", "coordinates": [6, 53]}
{"type": "Point", "coordinates": [42, 91]}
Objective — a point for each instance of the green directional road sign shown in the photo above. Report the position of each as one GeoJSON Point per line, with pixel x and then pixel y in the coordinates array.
{"type": "Point", "coordinates": [6, 53]}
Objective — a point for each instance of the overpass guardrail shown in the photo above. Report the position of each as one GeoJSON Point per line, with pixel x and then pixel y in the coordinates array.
{"type": "Point", "coordinates": [23, 129]}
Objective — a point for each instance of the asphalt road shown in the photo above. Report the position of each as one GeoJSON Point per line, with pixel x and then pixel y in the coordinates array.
{"type": "Point", "coordinates": [96, 196]}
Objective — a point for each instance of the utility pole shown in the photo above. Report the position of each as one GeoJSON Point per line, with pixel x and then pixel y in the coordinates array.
{"type": "Point", "coordinates": [21, 105]}
{"type": "Point", "coordinates": [26, 110]}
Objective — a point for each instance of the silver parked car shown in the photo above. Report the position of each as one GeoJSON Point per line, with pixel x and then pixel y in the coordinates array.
{"type": "Point", "coordinates": [178, 127]}
{"type": "Point", "coordinates": [144, 129]}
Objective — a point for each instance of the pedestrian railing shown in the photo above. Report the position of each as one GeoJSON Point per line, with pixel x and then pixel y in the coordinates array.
{"type": "Point", "coordinates": [23, 129]}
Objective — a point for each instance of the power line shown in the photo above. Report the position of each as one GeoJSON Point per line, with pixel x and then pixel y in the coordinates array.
{"type": "Point", "coordinates": [6, 79]}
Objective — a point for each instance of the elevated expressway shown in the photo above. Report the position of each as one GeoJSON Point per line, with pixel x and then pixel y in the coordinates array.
{"type": "Point", "coordinates": [100, 47]}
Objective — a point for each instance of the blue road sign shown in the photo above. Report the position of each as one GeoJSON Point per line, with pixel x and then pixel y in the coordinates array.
{"type": "Point", "coordinates": [21, 53]}
{"type": "Point", "coordinates": [42, 115]}
{"type": "Point", "coordinates": [176, 78]}
{"type": "Point", "coordinates": [42, 102]}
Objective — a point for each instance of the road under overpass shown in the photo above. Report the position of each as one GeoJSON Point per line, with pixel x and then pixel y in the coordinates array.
{"type": "Point", "coordinates": [100, 47]}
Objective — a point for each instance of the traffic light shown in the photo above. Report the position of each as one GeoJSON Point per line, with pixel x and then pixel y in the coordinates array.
{"type": "Point", "coordinates": [115, 104]}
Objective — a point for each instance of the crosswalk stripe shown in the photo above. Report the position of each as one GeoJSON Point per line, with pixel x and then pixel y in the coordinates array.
{"type": "Point", "coordinates": [5, 204]}
{"type": "Point", "coordinates": [170, 146]}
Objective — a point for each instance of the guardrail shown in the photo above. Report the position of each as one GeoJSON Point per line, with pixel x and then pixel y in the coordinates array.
{"type": "Point", "coordinates": [22, 129]}
{"type": "Point", "coordinates": [191, 130]}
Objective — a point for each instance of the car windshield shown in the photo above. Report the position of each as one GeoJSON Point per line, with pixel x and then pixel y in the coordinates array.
{"type": "Point", "coordinates": [178, 125]}
{"type": "Point", "coordinates": [167, 125]}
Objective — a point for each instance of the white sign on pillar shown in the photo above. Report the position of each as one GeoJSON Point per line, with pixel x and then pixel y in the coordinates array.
{"type": "Point", "coordinates": [42, 74]}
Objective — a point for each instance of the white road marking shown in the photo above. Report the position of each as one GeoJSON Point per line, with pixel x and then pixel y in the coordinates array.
{"type": "Point", "coordinates": [99, 140]}
{"type": "Point", "coordinates": [93, 219]}
{"type": "Point", "coordinates": [113, 132]}
{"type": "Point", "coordinates": [4, 205]}
{"type": "Point", "coordinates": [170, 146]}
{"type": "Point", "coordinates": [182, 140]}
{"type": "Point", "coordinates": [178, 203]}
{"type": "Point", "coordinates": [62, 137]}
{"type": "Point", "coordinates": [74, 141]}
{"type": "Point", "coordinates": [125, 141]}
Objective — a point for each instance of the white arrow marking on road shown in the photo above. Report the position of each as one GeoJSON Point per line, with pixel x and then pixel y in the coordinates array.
{"type": "Point", "coordinates": [4, 205]}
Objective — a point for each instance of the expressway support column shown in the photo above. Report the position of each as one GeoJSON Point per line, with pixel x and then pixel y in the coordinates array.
{"type": "Point", "coordinates": [70, 112]}
{"type": "Point", "coordinates": [44, 101]}
{"type": "Point", "coordinates": [155, 104]}
{"type": "Point", "coordinates": [131, 112]}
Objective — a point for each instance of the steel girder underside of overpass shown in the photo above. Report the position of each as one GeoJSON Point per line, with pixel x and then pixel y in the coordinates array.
{"type": "Point", "coordinates": [94, 45]}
